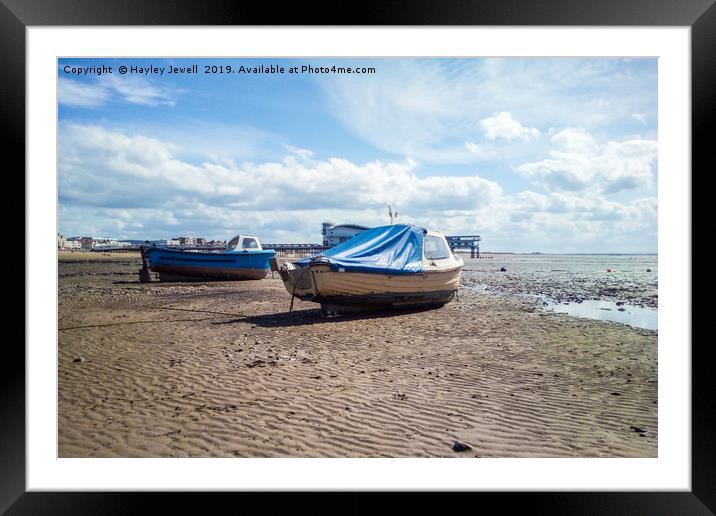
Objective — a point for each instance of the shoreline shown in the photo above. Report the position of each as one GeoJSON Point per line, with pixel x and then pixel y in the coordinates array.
{"type": "Point", "coordinates": [222, 369]}
{"type": "Point", "coordinates": [550, 305]}
{"type": "Point", "coordinates": [538, 300]}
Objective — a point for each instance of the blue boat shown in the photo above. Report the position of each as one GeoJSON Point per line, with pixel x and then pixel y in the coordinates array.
{"type": "Point", "coordinates": [243, 259]}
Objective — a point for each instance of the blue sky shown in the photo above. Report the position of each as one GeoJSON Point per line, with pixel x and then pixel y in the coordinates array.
{"type": "Point", "coordinates": [538, 154]}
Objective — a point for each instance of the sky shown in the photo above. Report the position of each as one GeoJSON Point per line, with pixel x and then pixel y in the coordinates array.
{"type": "Point", "coordinates": [554, 155]}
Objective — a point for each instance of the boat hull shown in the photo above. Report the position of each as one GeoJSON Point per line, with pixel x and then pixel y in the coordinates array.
{"type": "Point", "coordinates": [350, 291]}
{"type": "Point", "coordinates": [377, 302]}
{"type": "Point", "coordinates": [172, 265]}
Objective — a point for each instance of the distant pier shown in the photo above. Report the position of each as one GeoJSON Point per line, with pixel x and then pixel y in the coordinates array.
{"type": "Point", "coordinates": [281, 249]}
{"type": "Point", "coordinates": [471, 242]}
{"type": "Point", "coordinates": [296, 249]}
{"type": "Point", "coordinates": [456, 242]}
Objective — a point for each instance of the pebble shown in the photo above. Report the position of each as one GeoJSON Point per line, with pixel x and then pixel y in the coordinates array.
{"type": "Point", "coordinates": [460, 447]}
{"type": "Point", "coordinates": [80, 359]}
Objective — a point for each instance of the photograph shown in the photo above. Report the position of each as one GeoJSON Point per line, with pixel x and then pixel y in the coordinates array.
{"type": "Point", "coordinates": [357, 257]}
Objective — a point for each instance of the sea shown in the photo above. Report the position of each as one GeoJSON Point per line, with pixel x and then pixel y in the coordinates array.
{"type": "Point", "coordinates": [615, 287]}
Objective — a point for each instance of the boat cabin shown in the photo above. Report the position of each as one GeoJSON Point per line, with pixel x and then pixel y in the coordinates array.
{"type": "Point", "coordinates": [436, 250]}
{"type": "Point", "coordinates": [243, 243]}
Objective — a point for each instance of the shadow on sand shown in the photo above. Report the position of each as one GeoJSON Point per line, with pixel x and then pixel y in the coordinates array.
{"type": "Point", "coordinates": [169, 284]}
{"type": "Point", "coordinates": [313, 316]}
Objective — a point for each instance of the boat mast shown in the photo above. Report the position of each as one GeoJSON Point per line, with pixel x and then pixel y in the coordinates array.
{"type": "Point", "coordinates": [393, 216]}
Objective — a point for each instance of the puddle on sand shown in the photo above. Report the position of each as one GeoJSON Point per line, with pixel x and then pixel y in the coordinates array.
{"type": "Point", "coordinates": [608, 311]}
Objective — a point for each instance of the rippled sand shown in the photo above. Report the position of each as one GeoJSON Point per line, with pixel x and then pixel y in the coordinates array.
{"type": "Point", "coordinates": [223, 370]}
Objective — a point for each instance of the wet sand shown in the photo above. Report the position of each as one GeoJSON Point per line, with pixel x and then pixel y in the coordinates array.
{"type": "Point", "coordinates": [222, 369]}
{"type": "Point", "coordinates": [568, 278]}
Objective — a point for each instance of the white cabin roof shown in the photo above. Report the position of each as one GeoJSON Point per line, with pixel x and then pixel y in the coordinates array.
{"type": "Point", "coordinates": [244, 242]}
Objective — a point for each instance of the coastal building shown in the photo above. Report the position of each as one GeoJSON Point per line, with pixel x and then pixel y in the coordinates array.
{"type": "Point", "coordinates": [186, 240]}
{"type": "Point", "coordinates": [172, 242]}
{"type": "Point", "coordinates": [61, 241]}
{"type": "Point", "coordinates": [200, 241]}
{"type": "Point", "coordinates": [87, 242]}
{"type": "Point", "coordinates": [73, 245]}
{"type": "Point", "coordinates": [334, 234]}
{"type": "Point", "coordinates": [110, 243]}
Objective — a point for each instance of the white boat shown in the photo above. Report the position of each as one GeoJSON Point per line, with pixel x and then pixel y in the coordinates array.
{"type": "Point", "coordinates": [396, 266]}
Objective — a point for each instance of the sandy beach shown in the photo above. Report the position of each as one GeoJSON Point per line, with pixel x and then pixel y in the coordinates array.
{"type": "Point", "coordinates": [223, 369]}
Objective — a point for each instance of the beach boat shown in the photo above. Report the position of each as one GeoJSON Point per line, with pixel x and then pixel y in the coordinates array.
{"type": "Point", "coordinates": [395, 266]}
{"type": "Point", "coordinates": [243, 259]}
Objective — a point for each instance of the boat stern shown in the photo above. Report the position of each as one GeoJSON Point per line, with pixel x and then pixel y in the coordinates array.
{"type": "Point", "coordinates": [273, 264]}
{"type": "Point", "coordinates": [298, 280]}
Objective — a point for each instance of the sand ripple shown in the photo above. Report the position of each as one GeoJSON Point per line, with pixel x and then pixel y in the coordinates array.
{"type": "Point", "coordinates": [223, 370]}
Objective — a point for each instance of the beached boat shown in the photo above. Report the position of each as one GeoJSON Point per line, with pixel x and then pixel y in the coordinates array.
{"type": "Point", "coordinates": [396, 266]}
{"type": "Point", "coordinates": [243, 259]}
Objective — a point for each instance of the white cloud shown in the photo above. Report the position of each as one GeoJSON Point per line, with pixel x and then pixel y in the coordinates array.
{"type": "Point", "coordinates": [78, 94]}
{"type": "Point", "coordinates": [559, 222]}
{"type": "Point", "coordinates": [473, 147]}
{"type": "Point", "coordinates": [109, 169]}
{"type": "Point", "coordinates": [105, 88]}
{"type": "Point", "coordinates": [138, 90]}
{"type": "Point", "coordinates": [427, 108]}
{"type": "Point", "coordinates": [134, 186]}
{"type": "Point", "coordinates": [503, 125]}
{"type": "Point", "coordinates": [481, 152]}
{"type": "Point", "coordinates": [303, 153]}
{"type": "Point", "coordinates": [577, 162]}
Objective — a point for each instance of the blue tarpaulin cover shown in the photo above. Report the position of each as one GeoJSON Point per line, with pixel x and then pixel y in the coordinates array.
{"type": "Point", "coordinates": [395, 249]}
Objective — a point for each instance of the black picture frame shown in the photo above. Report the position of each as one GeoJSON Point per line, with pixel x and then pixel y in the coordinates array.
{"type": "Point", "coordinates": [699, 15]}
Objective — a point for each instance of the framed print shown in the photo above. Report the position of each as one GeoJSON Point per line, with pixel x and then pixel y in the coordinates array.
{"type": "Point", "coordinates": [421, 252]}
